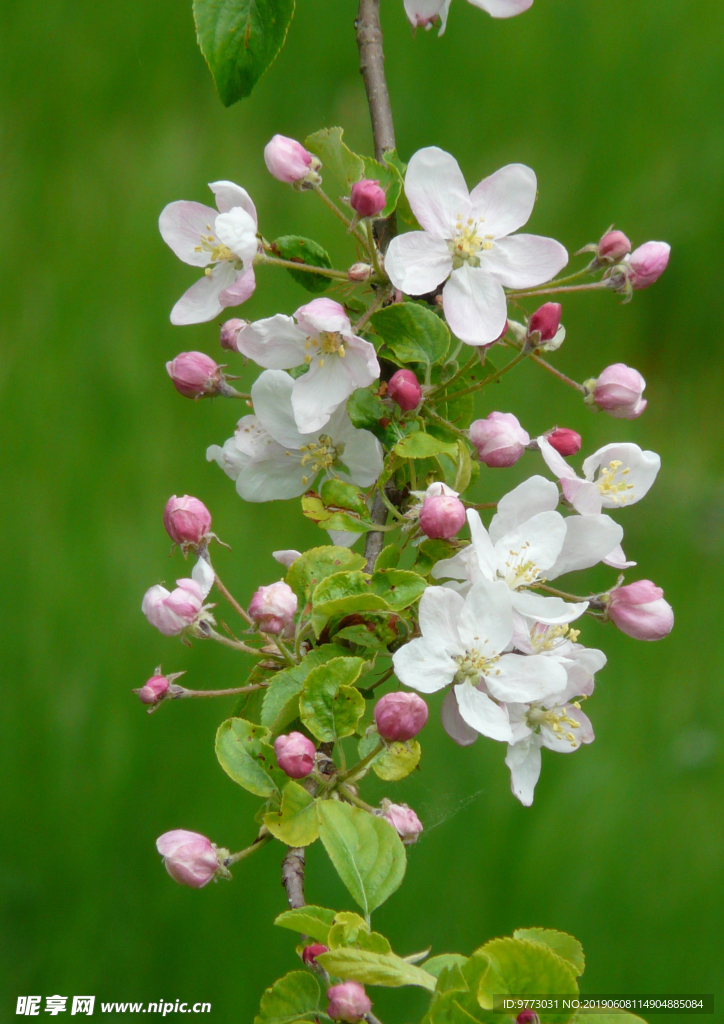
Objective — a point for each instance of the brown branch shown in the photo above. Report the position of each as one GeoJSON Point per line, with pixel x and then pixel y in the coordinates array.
{"type": "Point", "coordinates": [375, 541]}
{"type": "Point", "coordinates": [372, 67]}
{"type": "Point", "coordinates": [293, 877]}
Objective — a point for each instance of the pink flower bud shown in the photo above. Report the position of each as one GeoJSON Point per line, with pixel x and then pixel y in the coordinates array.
{"type": "Point", "coordinates": [348, 1002]}
{"type": "Point", "coordinates": [400, 716]}
{"type": "Point", "coordinates": [295, 754]}
{"type": "Point", "coordinates": [367, 198]}
{"type": "Point", "coordinates": [613, 247]}
{"type": "Point", "coordinates": [359, 272]}
{"type": "Point", "coordinates": [619, 390]}
{"type": "Point", "coordinates": [229, 331]}
{"type": "Point", "coordinates": [194, 374]}
{"type": "Point", "coordinates": [153, 689]}
{"type": "Point", "coordinates": [565, 441]}
{"type": "Point", "coordinates": [404, 820]}
{"type": "Point", "coordinates": [640, 611]}
{"type": "Point", "coordinates": [310, 953]}
{"type": "Point", "coordinates": [527, 1017]}
{"type": "Point", "coordinates": [273, 608]}
{"type": "Point", "coordinates": [172, 612]}
{"type": "Point", "coordinates": [287, 159]}
{"type": "Point", "coordinates": [189, 857]}
{"type": "Point", "coordinates": [442, 514]}
{"type": "Point", "coordinates": [187, 520]}
{"type": "Point", "coordinates": [499, 439]}
{"type": "Point", "coordinates": [404, 389]}
{"type": "Point", "coordinates": [546, 321]}
{"type": "Point", "coordinates": [647, 263]}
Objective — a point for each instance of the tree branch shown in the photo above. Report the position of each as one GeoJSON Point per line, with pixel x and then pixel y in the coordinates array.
{"type": "Point", "coordinates": [375, 541]}
{"type": "Point", "coordinates": [372, 67]}
{"type": "Point", "coordinates": [293, 877]}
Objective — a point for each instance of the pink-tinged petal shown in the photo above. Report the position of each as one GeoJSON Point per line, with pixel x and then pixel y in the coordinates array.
{"type": "Point", "coordinates": [422, 666]}
{"type": "Point", "coordinates": [589, 539]}
{"type": "Point", "coordinates": [524, 261]}
{"type": "Point", "coordinates": [482, 714]}
{"type": "Point", "coordinates": [271, 394]}
{"type": "Point", "coordinates": [439, 614]}
{"type": "Point", "coordinates": [417, 263]}
{"type": "Point", "coordinates": [504, 201]}
{"type": "Point", "coordinates": [486, 621]}
{"type": "Point", "coordinates": [201, 302]}
{"type": "Point", "coordinates": [323, 315]}
{"type": "Point", "coordinates": [555, 461]}
{"type": "Point", "coordinates": [534, 495]}
{"type": "Point", "coordinates": [241, 290]}
{"type": "Point", "coordinates": [228, 195]}
{"type": "Point", "coordinates": [181, 225]}
{"type": "Point", "coordinates": [360, 360]}
{"type": "Point", "coordinates": [524, 761]}
{"type": "Point", "coordinates": [583, 495]}
{"type": "Point", "coordinates": [275, 343]}
{"type": "Point", "coordinates": [204, 575]}
{"type": "Point", "coordinates": [436, 189]}
{"type": "Point", "coordinates": [503, 8]}
{"type": "Point", "coordinates": [319, 392]}
{"type": "Point", "coordinates": [454, 724]}
{"type": "Point", "coordinates": [641, 468]}
{"type": "Point", "coordinates": [551, 611]}
{"type": "Point", "coordinates": [237, 230]}
{"type": "Point", "coordinates": [617, 559]}
{"type": "Point", "coordinates": [474, 305]}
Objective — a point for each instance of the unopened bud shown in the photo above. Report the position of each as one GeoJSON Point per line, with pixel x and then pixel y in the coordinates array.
{"type": "Point", "coordinates": [404, 820]}
{"type": "Point", "coordinates": [400, 716]}
{"type": "Point", "coordinates": [190, 858]}
{"type": "Point", "coordinates": [287, 160]}
{"type": "Point", "coordinates": [153, 690]}
{"type": "Point", "coordinates": [442, 514]}
{"type": "Point", "coordinates": [187, 520]}
{"type": "Point", "coordinates": [310, 953]}
{"type": "Point", "coordinates": [367, 198]}
{"type": "Point", "coordinates": [545, 321]}
{"type": "Point", "coordinates": [348, 1002]}
{"type": "Point", "coordinates": [640, 611]}
{"type": "Point", "coordinates": [500, 440]}
{"type": "Point", "coordinates": [359, 272]}
{"type": "Point", "coordinates": [527, 1017]}
{"type": "Point", "coordinates": [613, 247]}
{"type": "Point", "coordinates": [295, 754]}
{"type": "Point", "coordinates": [229, 331]}
{"type": "Point", "coordinates": [172, 612]}
{"type": "Point", "coordinates": [404, 389]}
{"type": "Point", "coordinates": [565, 442]}
{"type": "Point", "coordinates": [647, 264]}
{"type": "Point", "coordinates": [618, 390]}
{"type": "Point", "coordinates": [273, 608]}
{"type": "Point", "coordinates": [194, 374]}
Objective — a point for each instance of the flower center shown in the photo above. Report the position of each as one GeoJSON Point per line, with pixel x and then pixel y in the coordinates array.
{"type": "Point", "coordinates": [612, 483]}
{"type": "Point", "coordinates": [468, 243]}
{"type": "Point", "coordinates": [556, 719]}
{"type": "Point", "coordinates": [473, 665]}
{"type": "Point", "coordinates": [218, 252]}
{"type": "Point", "coordinates": [520, 571]}
{"type": "Point", "coordinates": [547, 638]}
{"type": "Point", "coordinates": [319, 457]}
{"type": "Point", "coordinates": [327, 343]}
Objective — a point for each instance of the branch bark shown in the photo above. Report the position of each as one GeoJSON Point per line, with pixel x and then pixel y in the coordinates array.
{"type": "Point", "coordinates": [372, 66]}
{"type": "Point", "coordinates": [375, 541]}
{"type": "Point", "coordinates": [293, 877]}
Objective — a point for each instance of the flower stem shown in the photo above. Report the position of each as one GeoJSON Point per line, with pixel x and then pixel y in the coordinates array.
{"type": "Point", "coordinates": [486, 380]}
{"type": "Point", "coordinates": [378, 300]}
{"type": "Point", "coordinates": [561, 593]}
{"type": "Point", "coordinates": [351, 775]}
{"type": "Point", "coordinates": [354, 799]}
{"type": "Point", "coordinates": [261, 840]}
{"type": "Point", "coordinates": [595, 286]}
{"type": "Point", "coordinates": [445, 423]}
{"type": "Point", "coordinates": [180, 692]}
{"type": "Point", "coordinates": [389, 505]}
{"type": "Point", "coordinates": [330, 203]}
{"type": "Point", "coordinates": [558, 374]}
{"type": "Point", "coordinates": [232, 601]}
{"type": "Point", "coordinates": [274, 261]}
{"type": "Point", "coordinates": [238, 645]}
{"type": "Point", "coordinates": [456, 376]}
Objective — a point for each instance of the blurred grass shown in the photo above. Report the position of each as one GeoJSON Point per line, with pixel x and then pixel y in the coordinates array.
{"type": "Point", "coordinates": [108, 113]}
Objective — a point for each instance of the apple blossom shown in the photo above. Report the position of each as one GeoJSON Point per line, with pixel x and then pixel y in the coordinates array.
{"type": "Point", "coordinates": [423, 13]}
{"type": "Point", "coordinates": [339, 362]}
{"type": "Point", "coordinates": [295, 754]}
{"type": "Point", "coordinates": [499, 439]}
{"type": "Point", "coordinates": [228, 332]}
{"type": "Point", "coordinates": [400, 716]}
{"type": "Point", "coordinates": [171, 612]}
{"type": "Point", "coordinates": [404, 820]}
{"type": "Point", "coordinates": [404, 389]}
{"type": "Point", "coordinates": [348, 1002]}
{"type": "Point", "coordinates": [647, 263]}
{"type": "Point", "coordinates": [273, 608]}
{"type": "Point", "coordinates": [194, 374]}
{"type": "Point", "coordinates": [288, 161]}
{"type": "Point", "coordinates": [187, 520]}
{"type": "Point", "coordinates": [466, 241]}
{"type": "Point", "coordinates": [367, 198]}
{"type": "Point", "coordinates": [640, 611]}
{"type": "Point", "coordinates": [270, 459]}
{"type": "Point", "coordinates": [614, 476]}
{"type": "Point", "coordinates": [619, 391]}
{"type": "Point", "coordinates": [190, 858]}
{"type": "Point", "coordinates": [153, 690]}
{"type": "Point", "coordinates": [225, 243]}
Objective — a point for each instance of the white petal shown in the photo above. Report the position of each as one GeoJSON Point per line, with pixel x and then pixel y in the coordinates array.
{"type": "Point", "coordinates": [552, 611]}
{"type": "Point", "coordinates": [560, 741]}
{"type": "Point", "coordinates": [276, 342]}
{"type": "Point", "coordinates": [486, 621]}
{"type": "Point", "coordinates": [454, 724]}
{"type": "Point", "coordinates": [503, 8]}
{"type": "Point", "coordinates": [583, 495]}
{"type": "Point", "coordinates": [555, 461]}
{"type": "Point", "coordinates": [436, 189]}
{"type": "Point", "coordinates": [286, 556]}
{"type": "Point", "coordinates": [201, 301]}
{"type": "Point", "coordinates": [362, 456]}
{"type": "Point", "coordinates": [278, 475]}
{"type": "Point", "coordinates": [439, 616]}
{"type": "Point", "coordinates": [228, 195]}
{"type": "Point", "coordinates": [504, 201]}
{"type": "Point", "coordinates": [482, 714]}
{"type": "Point", "coordinates": [360, 360]}
{"type": "Point", "coordinates": [589, 539]}
{"type": "Point", "coordinates": [319, 392]}
{"type": "Point", "coordinates": [237, 230]}
{"type": "Point", "coordinates": [474, 305]}
{"type": "Point", "coordinates": [241, 290]}
{"type": "Point", "coordinates": [181, 225]}
{"type": "Point", "coordinates": [539, 540]}
{"type": "Point", "coordinates": [204, 575]}
{"type": "Point", "coordinates": [581, 664]}
{"type": "Point", "coordinates": [524, 261]}
{"type": "Point", "coordinates": [462, 566]}
{"type": "Point", "coordinates": [534, 495]}
{"type": "Point", "coordinates": [417, 263]}
{"type": "Point", "coordinates": [249, 441]}
{"type": "Point", "coordinates": [343, 538]}
{"type": "Point", "coordinates": [271, 394]}
{"type": "Point", "coordinates": [642, 466]}
{"type": "Point", "coordinates": [524, 761]}
{"type": "Point", "coordinates": [617, 559]}
{"type": "Point", "coordinates": [523, 678]}
{"type": "Point", "coordinates": [422, 666]}
{"type": "Point", "coordinates": [322, 315]}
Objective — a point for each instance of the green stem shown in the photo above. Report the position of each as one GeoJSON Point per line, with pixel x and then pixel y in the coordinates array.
{"type": "Point", "coordinates": [460, 373]}
{"type": "Point", "coordinates": [595, 286]}
{"type": "Point", "coordinates": [260, 841]}
{"type": "Point", "coordinates": [388, 505]}
{"type": "Point", "coordinates": [274, 261]}
{"type": "Point", "coordinates": [445, 423]}
{"type": "Point", "coordinates": [330, 203]}
{"type": "Point", "coordinates": [237, 645]}
{"type": "Point", "coordinates": [558, 374]}
{"type": "Point", "coordinates": [372, 249]}
{"type": "Point", "coordinates": [487, 380]}
{"type": "Point", "coordinates": [354, 799]}
{"type": "Point", "coordinates": [573, 277]}
{"type": "Point", "coordinates": [481, 504]}
{"type": "Point", "coordinates": [352, 774]}
{"type": "Point", "coordinates": [232, 601]}
{"type": "Point", "coordinates": [379, 298]}
{"type": "Point", "coordinates": [216, 693]}
{"type": "Point", "coordinates": [561, 593]}
{"type": "Point", "coordinates": [286, 654]}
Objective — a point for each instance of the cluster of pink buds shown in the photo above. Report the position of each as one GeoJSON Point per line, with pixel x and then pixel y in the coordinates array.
{"type": "Point", "coordinates": [400, 716]}
{"type": "Point", "coordinates": [348, 1002]}
{"type": "Point", "coordinates": [499, 439]}
{"type": "Point", "coordinates": [190, 858]}
{"type": "Point", "coordinates": [640, 611]}
{"type": "Point", "coordinates": [295, 754]}
{"type": "Point", "coordinates": [273, 608]}
{"type": "Point", "coordinates": [618, 391]}
{"type": "Point", "coordinates": [288, 161]}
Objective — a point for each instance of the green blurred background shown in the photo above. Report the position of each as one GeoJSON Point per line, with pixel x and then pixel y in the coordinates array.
{"type": "Point", "coordinates": [108, 112]}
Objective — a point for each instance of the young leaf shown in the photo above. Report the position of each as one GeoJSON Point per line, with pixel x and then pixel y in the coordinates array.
{"type": "Point", "coordinates": [388, 557]}
{"type": "Point", "coordinates": [345, 593]}
{"type": "Point", "coordinates": [352, 930]}
{"type": "Point", "coordinates": [295, 997]}
{"type": "Point", "coordinates": [311, 567]}
{"type": "Point", "coordinates": [397, 761]}
{"type": "Point", "coordinates": [565, 946]}
{"type": "Point", "coordinates": [333, 519]}
{"type": "Point", "coordinates": [422, 446]}
{"type": "Point", "coordinates": [295, 823]}
{"type": "Point", "coordinates": [304, 250]}
{"type": "Point", "coordinates": [398, 587]}
{"type": "Point", "coordinates": [518, 967]}
{"type": "Point", "coordinates": [367, 412]}
{"type": "Point", "coordinates": [330, 705]}
{"type": "Point", "coordinates": [239, 40]}
{"type": "Point", "coordinates": [281, 699]}
{"type": "Point", "coordinates": [365, 850]}
{"type": "Point", "coordinates": [429, 553]}
{"type": "Point", "coordinates": [375, 968]}
{"type": "Point", "coordinates": [412, 333]}
{"type": "Point", "coordinates": [312, 921]}
{"type": "Point", "coordinates": [247, 758]}
{"type": "Point", "coordinates": [437, 964]}
{"type": "Point", "coordinates": [337, 493]}
{"type": "Point", "coordinates": [336, 157]}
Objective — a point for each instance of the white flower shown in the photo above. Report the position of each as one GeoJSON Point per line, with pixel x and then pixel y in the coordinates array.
{"type": "Point", "coordinates": [614, 476]}
{"type": "Point", "coordinates": [269, 458]}
{"type": "Point", "coordinates": [339, 362]}
{"type": "Point", "coordinates": [528, 542]}
{"type": "Point", "coordinates": [467, 241]}
{"type": "Point", "coordinates": [464, 642]}
{"type": "Point", "coordinates": [422, 13]}
{"type": "Point", "coordinates": [173, 611]}
{"type": "Point", "coordinates": [225, 243]}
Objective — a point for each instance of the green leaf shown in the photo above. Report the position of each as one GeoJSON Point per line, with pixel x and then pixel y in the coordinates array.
{"type": "Point", "coordinates": [397, 761]}
{"type": "Point", "coordinates": [518, 967]}
{"type": "Point", "coordinates": [306, 571]}
{"type": "Point", "coordinates": [388, 557]}
{"type": "Point", "coordinates": [281, 699]}
{"type": "Point", "coordinates": [375, 968]}
{"type": "Point", "coordinates": [389, 179]}
{"type": "Point", "coordinates": [329, 519]}
{"type": "Point", "coordinates": [437, 964]}
{"type": "Point", "coordinates": [430, 552]}
{"type": "Point", "coordinates": [312, 921]}
{"type": "Point", "coordinates": [398, 587]}
{"type": "Point", "coordinates": [295, 997]}
{"type": "Point", "coordinates": [295, 823]}
{"type": "Point", "coordinates": [451, 979]}
{"type": "Point", "coordinates": [339, 494]}
{"type": "Point", "coordinates": [464, 468]}
{"type": "Point", "coordinates": [352, 930]}
{"type": "Point", "coordinates": [304, 250]}
{"type": "Point", "coordinates": [365, 850]}
{"type": "Point", "coordinates": [564, 945]}
{"type": "Point", "coordinates": [412, 333]}
{"type": "Point", "coordinates": [422, 446]}
{"type": "Point", "coordinates": [404, 209]}
{"type": "Point", "coordinates": [247, 758]}
{"type": "Point", "coordinates": [239, 40]}
{"type": "Point", "coordinates": [344, 593]}
{"type": "Point", "coordinates": [376, 630]}
{"type": "Point", "coordinates": [336, 157]}
{"type": "Point", "coordinates": [330, 705]}
{"type": "Point", "coordinates": [367, 412]}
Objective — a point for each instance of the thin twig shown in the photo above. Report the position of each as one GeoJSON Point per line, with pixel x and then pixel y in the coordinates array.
{"type": "Point", "coordinates": [261, 840]}
{"type": "Point", "coordinates": [273, 261]}
{"type": "Point", "coordinates": [597, 285]}
{"type": "Point", "coordinates": [232, 601]}
{"type": "Point", "coordinates": [558, 374]}
{"type": "Point", "coordinates": [180, 692]}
